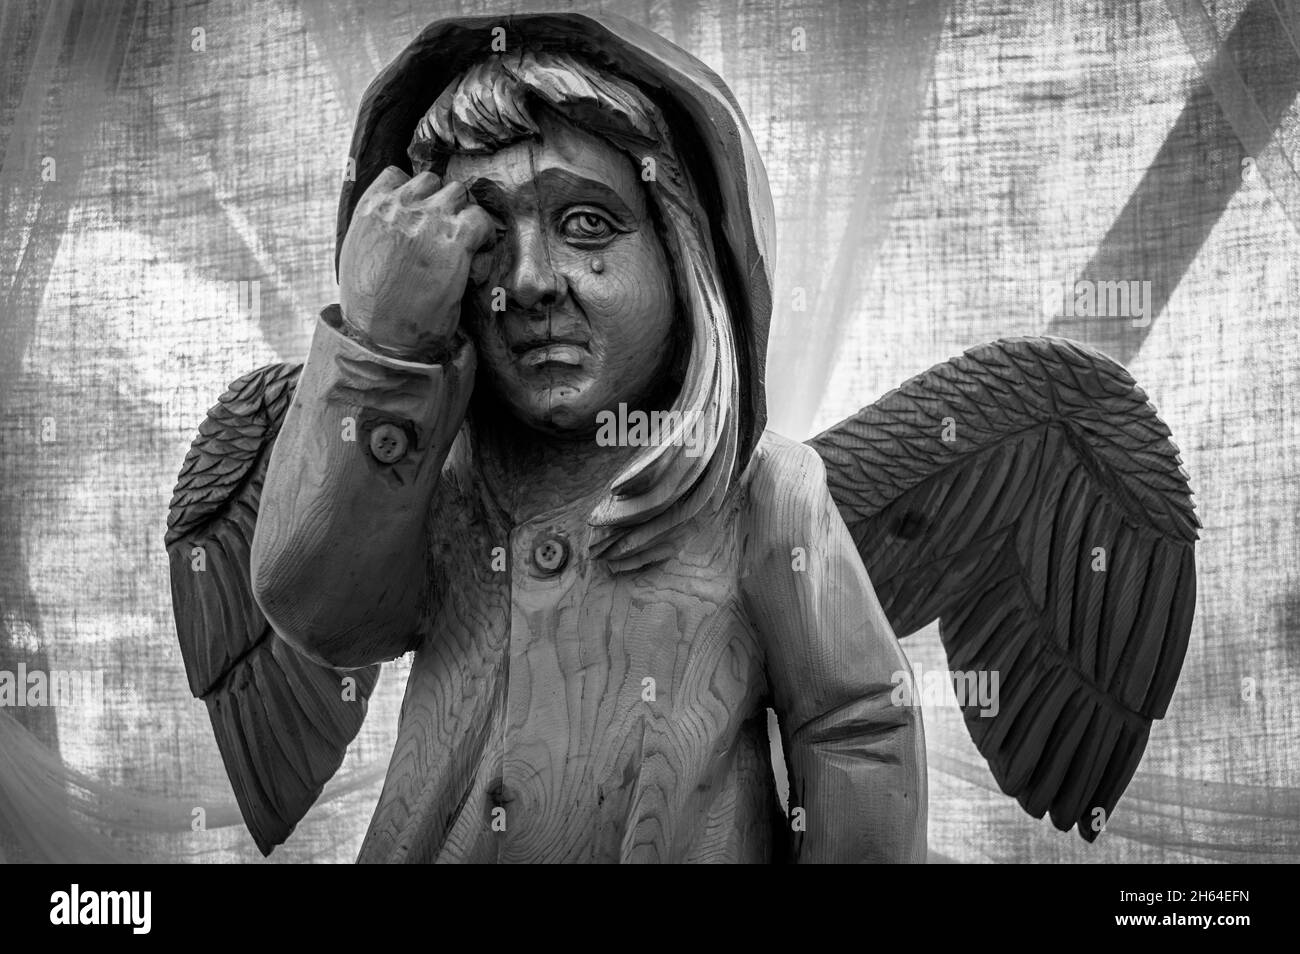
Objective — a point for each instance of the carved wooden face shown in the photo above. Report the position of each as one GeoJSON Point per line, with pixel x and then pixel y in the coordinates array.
{"type": "Point", "coordinates": [573, 306]}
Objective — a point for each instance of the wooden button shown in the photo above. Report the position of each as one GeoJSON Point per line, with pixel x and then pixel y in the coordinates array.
{"type": "Point", "coordinates": [550, 555]}
{"type": "Point", "coordinates": [388, 443]}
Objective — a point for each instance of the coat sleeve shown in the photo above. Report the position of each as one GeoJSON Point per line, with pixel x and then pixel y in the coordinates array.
{"type": "Point", "coordinates": [339, 551]}
{"type": "Point", "coordinates": [856, 761]}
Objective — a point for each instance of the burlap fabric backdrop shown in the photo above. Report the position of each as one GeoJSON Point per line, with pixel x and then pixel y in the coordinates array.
{"type": "Point", "coordinates": [933, 164]}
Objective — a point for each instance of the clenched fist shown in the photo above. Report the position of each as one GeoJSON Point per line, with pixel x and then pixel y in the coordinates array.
{"type": "Point", "coordinates": [406, 259]}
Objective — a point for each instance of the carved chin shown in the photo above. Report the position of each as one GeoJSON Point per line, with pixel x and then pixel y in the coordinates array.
{"type": "Point", "coordinates": [558, 409]}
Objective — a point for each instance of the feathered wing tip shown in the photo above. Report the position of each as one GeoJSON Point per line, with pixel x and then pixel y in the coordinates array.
{"type": "Point", "coordinates": [1028, 496]}
{"type": "Point", "coordinates": [282, 722]}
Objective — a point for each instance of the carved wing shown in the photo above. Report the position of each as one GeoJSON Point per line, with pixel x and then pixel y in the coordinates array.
{"type": "Point", "coordinates": [282, 722]}
{"type": "Point", "coordinates": [1027, 495]}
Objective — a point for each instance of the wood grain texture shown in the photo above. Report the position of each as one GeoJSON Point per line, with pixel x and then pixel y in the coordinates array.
{"type": "Point", "coordinates": [856, 759]}
{"type": "Point", "coordinates": [587, 715]}
{"type": "Point", "coordinates": [984, 493]}
{"type": "Point", "coordinates": [529, 697]}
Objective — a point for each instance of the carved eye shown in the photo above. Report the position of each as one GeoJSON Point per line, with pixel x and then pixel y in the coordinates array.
{"type": "Point", "coordinates": [586, 226]}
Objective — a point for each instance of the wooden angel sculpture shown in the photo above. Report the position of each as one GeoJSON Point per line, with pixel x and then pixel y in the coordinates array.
{"type": "Point", "coordinates": [561, 218]}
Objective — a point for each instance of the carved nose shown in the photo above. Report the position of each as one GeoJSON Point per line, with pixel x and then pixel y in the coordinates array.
{"type": "Point", "coordinates": [534, 281]}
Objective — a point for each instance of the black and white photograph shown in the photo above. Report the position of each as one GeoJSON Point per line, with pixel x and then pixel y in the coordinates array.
{"type": "Point", "coordinates": [709, 431]}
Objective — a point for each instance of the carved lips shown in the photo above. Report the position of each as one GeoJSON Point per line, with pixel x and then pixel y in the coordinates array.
{"type": "Point", "coordinates": [535, 352]}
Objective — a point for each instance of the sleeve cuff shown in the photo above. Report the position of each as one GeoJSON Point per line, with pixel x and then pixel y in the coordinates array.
{"type": "Point", "coordinates": [401, 412]}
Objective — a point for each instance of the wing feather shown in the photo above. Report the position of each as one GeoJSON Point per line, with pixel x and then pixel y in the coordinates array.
{"type": "Point", "coordinates": [1026, 495]}
{"type": "Point", "coordinates": [282, 722]}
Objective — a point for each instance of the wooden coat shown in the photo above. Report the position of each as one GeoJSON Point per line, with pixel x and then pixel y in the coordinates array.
{"type": "Point", "coordinates": [560, 712]}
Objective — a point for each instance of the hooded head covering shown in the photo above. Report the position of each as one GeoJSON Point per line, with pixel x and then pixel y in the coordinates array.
{"type": "Point", "coordinates": [711, 137]}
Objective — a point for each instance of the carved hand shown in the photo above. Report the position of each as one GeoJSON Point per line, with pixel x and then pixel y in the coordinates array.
{"type": "Point", "coordinates": [406, 259]}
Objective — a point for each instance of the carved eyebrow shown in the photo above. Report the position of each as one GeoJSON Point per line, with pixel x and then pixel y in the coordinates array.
{"type": "Point", "coordinates": [565, 188]}
{"type": "Point", "coordinates": [561, 188]}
